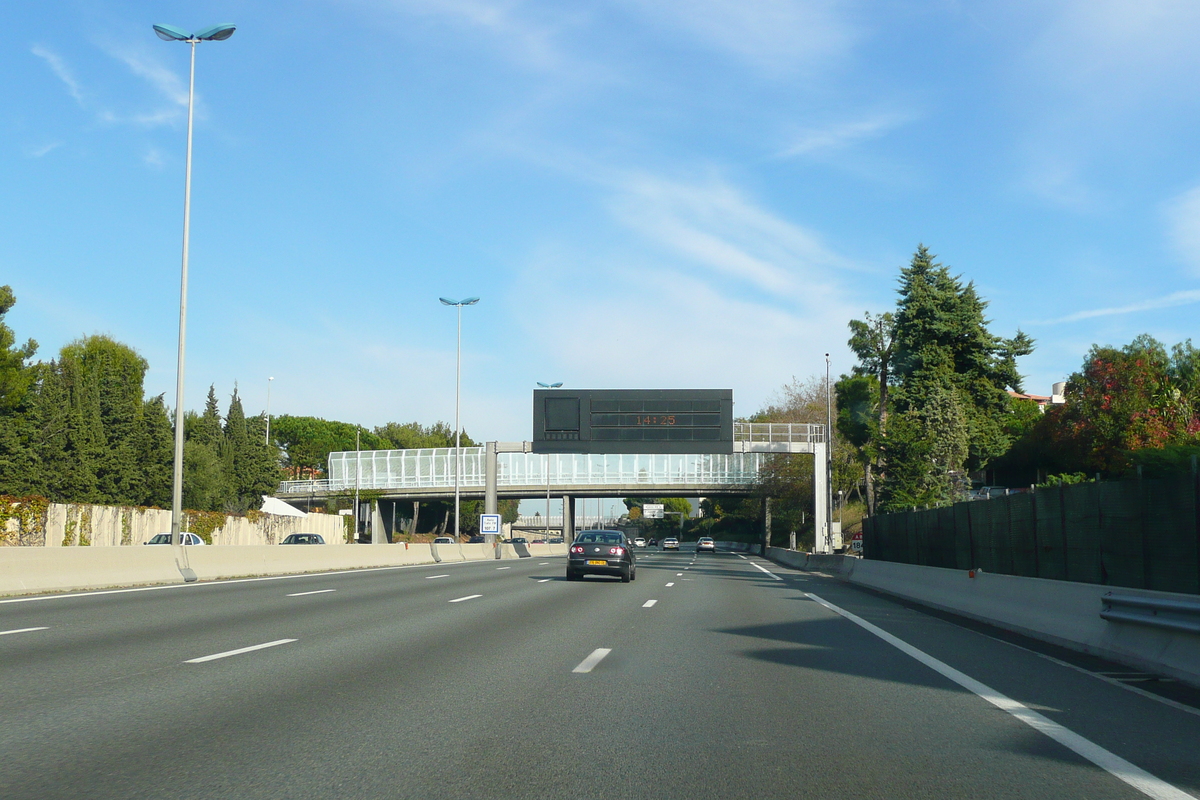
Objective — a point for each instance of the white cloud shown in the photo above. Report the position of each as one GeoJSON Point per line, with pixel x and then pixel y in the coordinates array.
{"type": "Point", "coordinates": [1181, 298]}
{"type": "Point", "coordinates": [714, 226]}
{"type": "Point", "coordinates": [527, 41]}
{"type": "Point", "coordinates": [61, 70]}
{"type": "Point", "coordinates": [38, 152]}
{"type": "Point", "coordinates": [840, 135]}
{"type": "Point", "coordinates": [1183, 216]}
{"type": "Point", "coordinates": [776, 36]}
{"type": "Point", "coordinates": [154, 158]}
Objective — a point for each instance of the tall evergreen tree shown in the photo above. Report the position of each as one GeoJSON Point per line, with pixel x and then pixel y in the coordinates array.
{"type": "Point", "coordinates": [17, 457]}
{"type": "Point", "coordinates": [156, 454]}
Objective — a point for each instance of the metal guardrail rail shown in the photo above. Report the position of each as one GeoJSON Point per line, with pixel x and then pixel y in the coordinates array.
{"type": "Point", "coordinates": [1175, 615]}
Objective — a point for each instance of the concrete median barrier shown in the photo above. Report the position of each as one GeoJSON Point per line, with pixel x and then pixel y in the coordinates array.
{"type": "Point", "coordinates": [33, 570]}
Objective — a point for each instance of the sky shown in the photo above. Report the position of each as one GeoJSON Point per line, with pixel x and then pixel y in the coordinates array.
{"type": "Point", "coordinates": [643, 193]}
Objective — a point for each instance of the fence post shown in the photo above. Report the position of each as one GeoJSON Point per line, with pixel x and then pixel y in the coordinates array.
{"type": "Point", "coordinates": [1062, 524]}
{"type": "Point", "coordinates": [1037, 556]}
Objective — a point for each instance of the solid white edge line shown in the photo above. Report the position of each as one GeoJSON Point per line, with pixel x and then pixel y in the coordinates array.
{"type": "Point", "coordinates": [431, 577]}
{"type": "Point", "coordinates": [772, 574]}
{"type": "Point", "coordinates": [589, 663]}
{"type": "Point", "coordinates": [1110, 762]}
{"type": "Point", "coordinates": [649, 604]}
{"type": "Point", "coordinates": [318, 591]}
{"type": "Point", "coordinates": [468, 597]}
{"type": "Point", "coordinates": [23, 630]}
{"type": "Point", "coordinates": [238, 652]}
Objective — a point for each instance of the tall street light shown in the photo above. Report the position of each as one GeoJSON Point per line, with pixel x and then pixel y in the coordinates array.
{"type": "Point", "coordinates": [552, 386]}
{"type": "Point", "coordinates": [170, 33]}
{"type": "Point", "coordinates": [269, 411]}
{"type": "Point", "coordinates": [827, 547]}
{"type": "Point", "coordinates": [470, 301]}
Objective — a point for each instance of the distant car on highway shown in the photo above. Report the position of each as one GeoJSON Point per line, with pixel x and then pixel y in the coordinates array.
{"type": "Point", "coordinates": [303, 538]}
{"type": "Point", "coordinates": [556, 540]}
{"type": "Point", "coordinates": [601, 553]}
{"type": "Point", "coordinates": [518, 540]}
{"type": "Point", "coordinates": [706, 545]}
{"type": "Point", "coordinates": [184, 538]}
{"type": "Point", "coordinates": [444, 540]}
{"type": "Point", "coordinates": [476, 540]}
{"type": "Point", "coordinates": [639, 542]}
{"type": "Point", "coordinates": [670, 544]}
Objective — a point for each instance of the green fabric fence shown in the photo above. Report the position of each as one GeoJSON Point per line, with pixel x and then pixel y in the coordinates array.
{"type": "Point", "coordinates": [1141, 533]}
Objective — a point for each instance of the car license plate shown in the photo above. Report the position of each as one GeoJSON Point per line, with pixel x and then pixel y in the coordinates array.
{"type": "Point", "coordinates": [597, 563]}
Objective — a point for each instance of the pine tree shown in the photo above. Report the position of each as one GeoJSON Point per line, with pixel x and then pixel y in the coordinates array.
{"type": "Point", "coordinates": [156, 454]}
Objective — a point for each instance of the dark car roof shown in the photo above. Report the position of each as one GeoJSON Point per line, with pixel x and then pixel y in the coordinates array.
{"type": "Point", "coordinates": [601, 537]}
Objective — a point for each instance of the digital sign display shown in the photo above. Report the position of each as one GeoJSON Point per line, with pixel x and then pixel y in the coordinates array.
{"type": "Point", "coordinates": [633, 421]}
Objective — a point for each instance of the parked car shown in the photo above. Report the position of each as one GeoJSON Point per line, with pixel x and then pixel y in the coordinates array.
{"type": "Point", "coordinates": [706, 545]}
{"type": "Point", "coordinates": [303, 538]}
{"type": "Point", "coordinates": [184, 538]}
{"type": "Point", "coordinates": [601, 553]}
{"type": "Point", "coordinates": [444, 540]}
{"type": "Point", "coordinates": [670, 544]}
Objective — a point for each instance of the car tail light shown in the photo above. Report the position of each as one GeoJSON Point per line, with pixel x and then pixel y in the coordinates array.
{"type": "Point", "coordinates": [576, 549]}
{"type": "Point", "coordinates": [616, 551]}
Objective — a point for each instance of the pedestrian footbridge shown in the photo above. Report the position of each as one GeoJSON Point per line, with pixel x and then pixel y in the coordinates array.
{"type": "Point", "coordinates": [429, 473]}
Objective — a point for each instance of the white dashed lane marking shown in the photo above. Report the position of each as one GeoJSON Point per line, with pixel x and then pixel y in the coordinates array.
{"type": "Point", "coordinates": [318, 591]}
{"type": "Point", "coordinates": [543, 580]}
{"type": "Point", "coordinates": [672, 583]}
{"type": "Point", "coordinates": [468, 597]}
{"type": "Point", "coordinates": [589, 663]}
{"type": "Point", "coordinates": [23, 630]}
{"type": "Point", "coordinates": [503, 567]}
{"type": "Point", "coordinates": [649, 603]}
{"type": "Point", "coordinates": [431, 577]}
{"type": "Point", "coordinates": [239, 651]}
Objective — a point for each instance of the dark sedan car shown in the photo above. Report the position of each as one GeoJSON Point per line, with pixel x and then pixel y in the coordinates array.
{"type": "Point", "coordinates": [601, 553]}
{"type": "Point", "coordinates": [304, 538]}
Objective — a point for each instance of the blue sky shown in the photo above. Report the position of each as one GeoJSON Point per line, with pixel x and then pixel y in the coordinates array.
{"type": "Point", "coordinates": [644, 193]}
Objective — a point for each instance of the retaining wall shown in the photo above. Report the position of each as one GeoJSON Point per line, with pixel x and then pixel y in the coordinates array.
{"type": "Point", "coordinates": [1065, 613]}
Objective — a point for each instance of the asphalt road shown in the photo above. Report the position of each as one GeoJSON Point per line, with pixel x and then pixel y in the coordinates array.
{"type": "Point", "coordinates": [710, 676]}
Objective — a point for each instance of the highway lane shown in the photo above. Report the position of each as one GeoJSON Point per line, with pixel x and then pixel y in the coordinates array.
{"type": "Point", "coordinates": [734, 682]}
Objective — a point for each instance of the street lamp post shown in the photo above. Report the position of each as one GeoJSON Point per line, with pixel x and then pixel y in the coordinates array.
{"type": "Point", "coordinates": [170, 33]}
{"type": "Point", "coordinates": [828, 545]}
{"type": "Point", "coordinates": [269, 411]}
{"type": "Point", "coordinates": [470, 301]}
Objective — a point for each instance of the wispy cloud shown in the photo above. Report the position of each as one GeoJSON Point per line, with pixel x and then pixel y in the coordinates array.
{"type": "Point", "coordinates": [154, 158]}
{"type": "Point", "coordinates": [527, 40]}
{"type": "Point", "coordinates": [38, 152]}
{"type": "Point", "coordinates": [776, 36]}
{"type": "Point", "coordinates": [169, 84]}
{"type": "Point", "coordinates": [715, 226]}
{"type": "Point", "coordinates": [840, 135]}
{"type": "Point", "coordinates": [61, 70]}
{"type": "Point", "coordinates": [1181, 298]}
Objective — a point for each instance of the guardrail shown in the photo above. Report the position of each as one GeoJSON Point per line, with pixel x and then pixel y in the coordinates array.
{"type": "Point", "coordinates": [1175, 615]}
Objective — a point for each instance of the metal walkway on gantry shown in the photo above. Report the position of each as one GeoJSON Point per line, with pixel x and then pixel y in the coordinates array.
{"type": "Point", "coordinates": [429, 473]}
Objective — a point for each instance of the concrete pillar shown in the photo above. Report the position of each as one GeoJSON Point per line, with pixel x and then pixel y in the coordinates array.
{"type": "Point", "coordinates": [490, 468]}
{"type": "Point", "coordinates": [823, 543]}
{"type": "Point", "coordinates": [377, 535]}
{"type": "Point", "coordinates": [568, 518]}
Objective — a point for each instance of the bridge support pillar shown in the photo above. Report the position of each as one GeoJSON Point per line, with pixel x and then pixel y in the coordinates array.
{"type": "Point", "coordinates": [823, 543]}
{"type": "Point", "coordinates": [568, 518]}
{"type": "Point", "coordinates": [489, 478]}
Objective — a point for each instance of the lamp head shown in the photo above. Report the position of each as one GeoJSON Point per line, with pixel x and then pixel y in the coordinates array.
{"type": "Point", "coordinates": [171, 33]}
{"type": "Point", "coordinates": [217, 33]}
{"type": "Point", "coordinates": [549, 385]}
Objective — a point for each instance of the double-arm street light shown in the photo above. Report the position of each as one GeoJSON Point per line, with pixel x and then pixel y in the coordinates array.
{"type": "Point", "coordinates": [470, 301]}
{"type": "Point", "coordinates": [217, 33]}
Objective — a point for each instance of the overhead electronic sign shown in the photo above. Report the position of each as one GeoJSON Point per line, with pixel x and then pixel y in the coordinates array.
{"type": "Point", "coordinates": [633, 421]}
